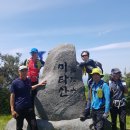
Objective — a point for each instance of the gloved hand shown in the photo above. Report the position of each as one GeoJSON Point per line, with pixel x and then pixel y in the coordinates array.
{"type": "Point", "coordinates": [81, 64]}
{"type": "Point", "coordinates": [105, 115]}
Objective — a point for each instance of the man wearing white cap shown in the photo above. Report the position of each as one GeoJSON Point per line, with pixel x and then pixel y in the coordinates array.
{"type": "Point", "coordinates": [20, 99]}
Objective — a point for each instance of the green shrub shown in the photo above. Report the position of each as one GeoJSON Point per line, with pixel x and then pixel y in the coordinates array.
{"type": "Point", "coordinates": [4, 101]}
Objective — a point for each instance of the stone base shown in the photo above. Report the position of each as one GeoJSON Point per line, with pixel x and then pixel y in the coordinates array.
{"type": "Point", "coordinates": [74, 124]}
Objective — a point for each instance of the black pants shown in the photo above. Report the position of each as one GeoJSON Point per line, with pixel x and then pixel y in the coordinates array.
{"type": "Point", "coordinates": [33, 93]}
{"type": "Point", "coordinates": [98, 121]}
{"type": "Point", "coordinates": [29, 115]}
{"type": "Point", "coordinates": [122, 117]}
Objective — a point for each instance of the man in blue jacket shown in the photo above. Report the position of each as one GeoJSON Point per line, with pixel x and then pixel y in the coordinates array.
{"type": "Point", "coordinates": [99, 99]}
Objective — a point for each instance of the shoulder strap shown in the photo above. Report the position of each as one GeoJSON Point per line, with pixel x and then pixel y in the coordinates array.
{"type": "Point", "coordinates": [84, 71]}
{"type": "Point", "coordinates": [90, 90]}
{"type": "Point", "coordinates": [27, 62]}
{"type": "Point", "coordinates": [101, 84]}
{"type": "Point", "coordinates": [39, 65]}
{"type": "Point", "coordinates": [99, 65]}
{"type": "Point", "coordinates": [90, 93]}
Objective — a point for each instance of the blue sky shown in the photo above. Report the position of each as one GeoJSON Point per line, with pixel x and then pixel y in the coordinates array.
{"type": "Point", "coordinates": [99, 26]}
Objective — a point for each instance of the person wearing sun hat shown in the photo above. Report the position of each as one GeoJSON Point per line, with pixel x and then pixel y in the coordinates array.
{"type": "Point", "coordinates": [97, 71]}
{"type": "Point", "coordinates": [99, 99]}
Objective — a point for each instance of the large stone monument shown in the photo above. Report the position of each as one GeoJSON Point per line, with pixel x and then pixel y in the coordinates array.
{"type": "Point", "coordinates": [63, 98]}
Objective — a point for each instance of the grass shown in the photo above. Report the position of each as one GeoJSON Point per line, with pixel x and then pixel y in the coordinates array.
{"type": "Point", "coordinates": [3, 121]}
{"type": "Point", "coordinates": [128, 112]}
{"type": "Point", "coordinates": [127, 122]}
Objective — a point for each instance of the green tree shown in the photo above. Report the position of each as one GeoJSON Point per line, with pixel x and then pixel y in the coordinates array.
{"type": "Point", "coordinates": [8, 68]}
{"type": "Point", "coordinates": [106, 78]}
{"type": "Point", "coordinates": [127, 79]}
{"type": "Point", "coordinates": [8, 72]}
{"type": "Point", "coordinates": [4, 101]}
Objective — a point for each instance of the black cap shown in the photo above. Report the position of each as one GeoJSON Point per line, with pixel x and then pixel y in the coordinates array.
{"type": "Point", "coordinates": [115, 71]}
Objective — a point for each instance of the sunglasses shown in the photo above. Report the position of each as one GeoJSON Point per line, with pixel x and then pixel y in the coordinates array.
{"type": "Point", "coordinates": [84, 55]}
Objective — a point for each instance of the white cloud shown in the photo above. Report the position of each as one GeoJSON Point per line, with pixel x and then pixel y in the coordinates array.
{"type": "Point", "coordinates": [62, 31]}
{"type": "Point", "coordinates": [94, 31]}
{"type": "Point", "coordinates": [111, 46]}
{"type": "Point", "coordinates": [23, 5]}
{"type": "Point", "coordinates": [110, 59]}
{"type": "Point", "coordinates": [11, 7]}
{"type": "Point", "coordinates": [104, 32]}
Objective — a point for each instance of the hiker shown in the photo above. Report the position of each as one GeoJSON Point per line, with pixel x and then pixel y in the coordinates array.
{"type": "Point", "coordinates": [99, 99]}
{"type": "Point", "coordinates": [34, 65]}
{"type": "Point", "coordinates": [87, 67]}
{"type": "Point", "coordinates": [118, 101]}
{"type": "Point", "coordinates": [20, 99]}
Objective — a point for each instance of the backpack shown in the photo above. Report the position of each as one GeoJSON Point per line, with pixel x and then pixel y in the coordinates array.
{"type": "Point", "coordinates": [99, 65]}
{"type": "Point", "coordinates": [89, 65]}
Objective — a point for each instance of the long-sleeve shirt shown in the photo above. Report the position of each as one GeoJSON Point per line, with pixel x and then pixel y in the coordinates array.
{"type": "Point", "coordinates": [97, 102]}
{"type": "Point", "coordinates": [117, 89]}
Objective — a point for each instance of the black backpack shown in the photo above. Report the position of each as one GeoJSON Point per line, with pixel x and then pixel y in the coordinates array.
{"type": "Point", "coordinates": [99, 65]}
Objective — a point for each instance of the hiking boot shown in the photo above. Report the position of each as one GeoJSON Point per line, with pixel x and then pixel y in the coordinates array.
{"type": "Point", "coordinates": [85, 115]}
{"type": "Point", "coordinates": [82, 118]}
